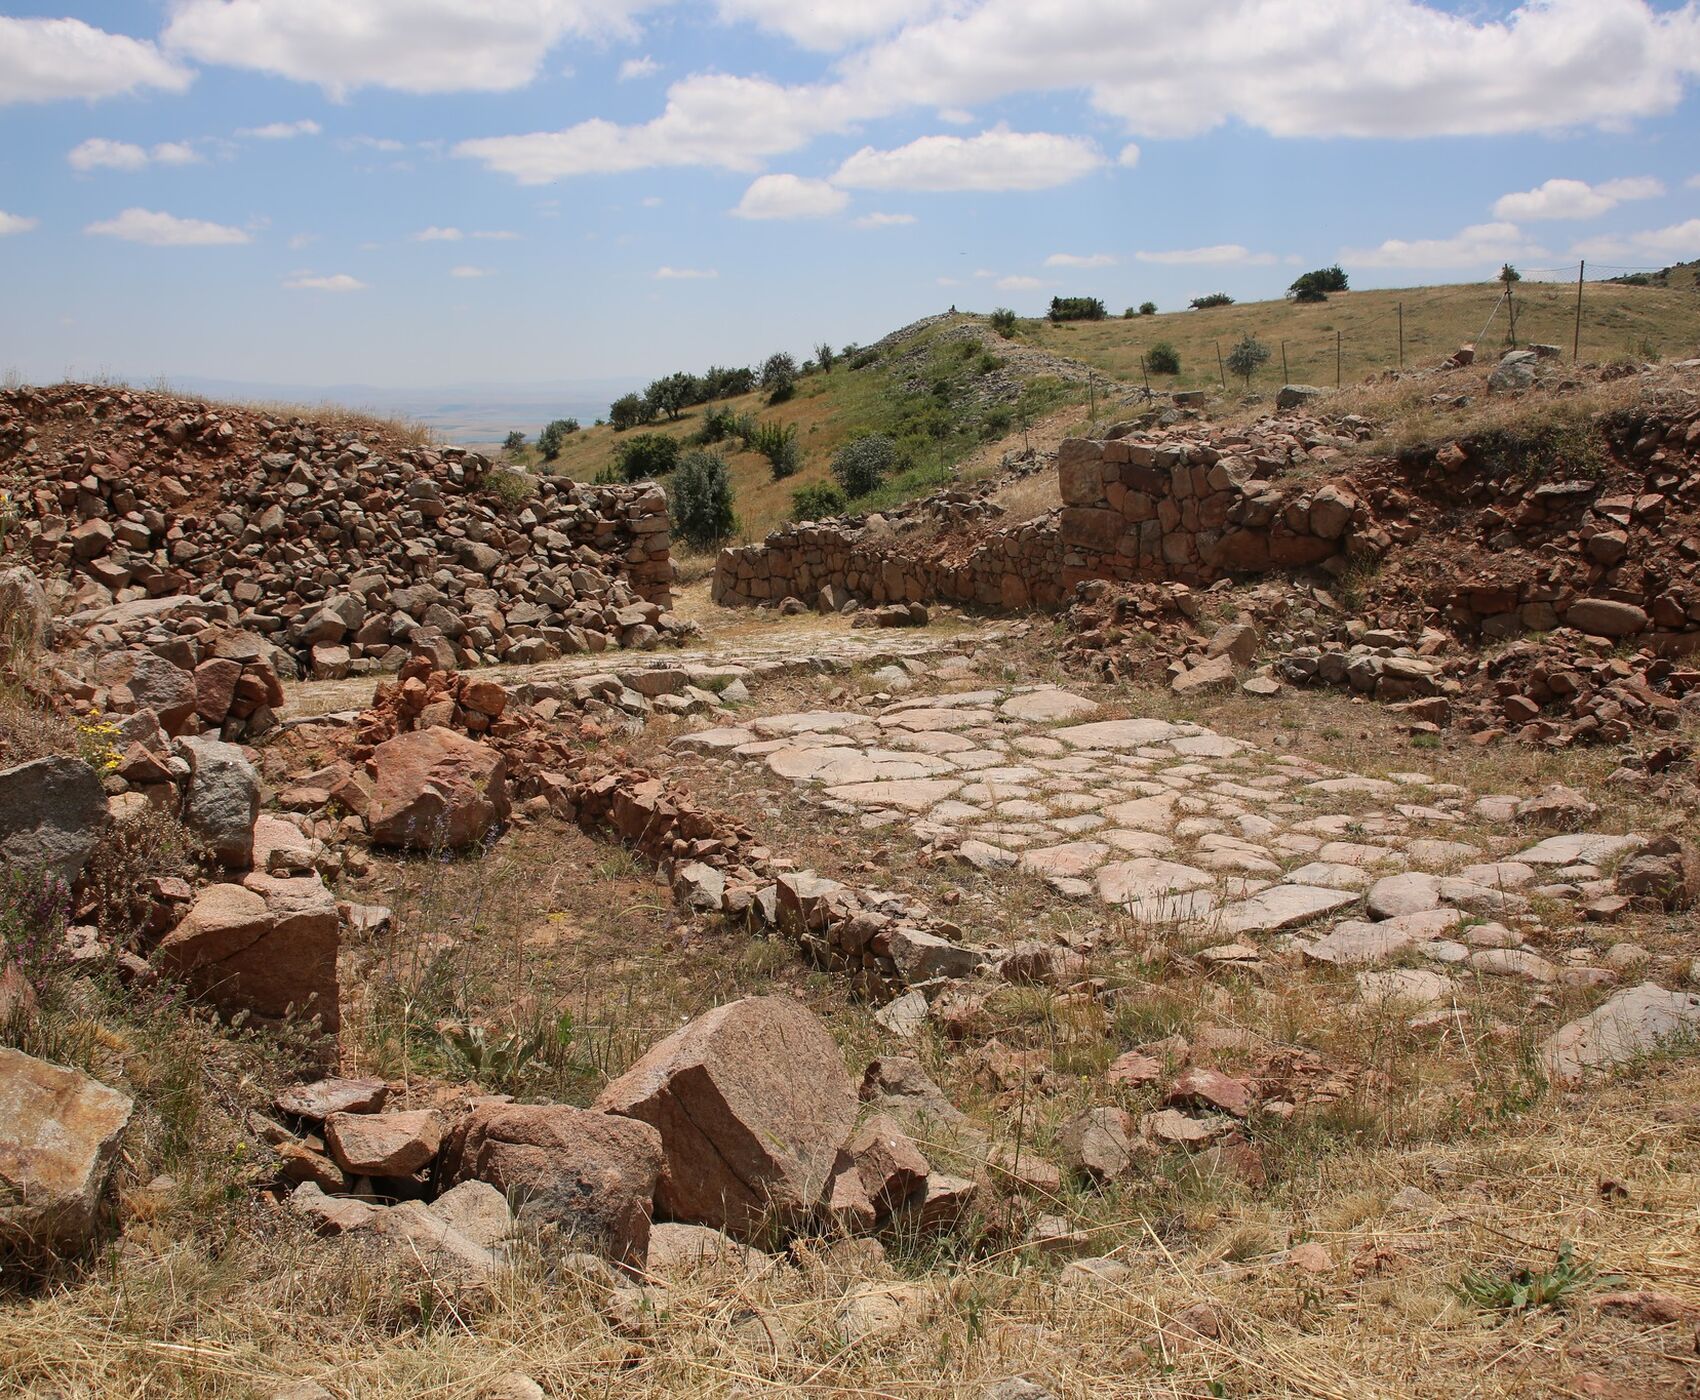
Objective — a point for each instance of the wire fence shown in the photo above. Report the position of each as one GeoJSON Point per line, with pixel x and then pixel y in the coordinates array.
{"type": "Point", "coordinates": [1560, 307]}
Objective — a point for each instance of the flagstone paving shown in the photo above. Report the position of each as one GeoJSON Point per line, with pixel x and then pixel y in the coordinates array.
{"type": "Point", "coordinates": [1172, 823]}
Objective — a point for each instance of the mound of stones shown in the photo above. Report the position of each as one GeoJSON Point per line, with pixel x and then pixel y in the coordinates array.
{"type": "Point", "coordinates": [738, 1130]}
{"type": "Point", "coordinates": [152, 513]}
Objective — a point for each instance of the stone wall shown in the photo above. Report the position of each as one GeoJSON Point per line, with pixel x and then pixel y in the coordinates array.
{"type": "Point", "coordinates": [1131, 511]}
{"type": "Point", "coordinates": [1020, 567]}
{"type": "Point", "coordinates": [1137, 511]}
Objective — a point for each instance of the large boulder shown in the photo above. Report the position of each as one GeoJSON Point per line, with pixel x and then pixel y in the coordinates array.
{"type": "Point", "coordinates": [52, 812]}
{"type": "Point", "coordinates": [59, 1135]}
{"type": "Point", "coordinates": [1629, 1025]}
{"type": "Point", "coordinates": [154, 683]}
{"type": "Point", "coordinates": [593, 1175]}
{"type": "Point", "coordinates": [266, 947]}
{"type": "Point", "coordinates": [435, 788]}
{"type": "Point", "coordinates": [752, 1102]}
{"type": "Point", "coordinates": [223, 801]}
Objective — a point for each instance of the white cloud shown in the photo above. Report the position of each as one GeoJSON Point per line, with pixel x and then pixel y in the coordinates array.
{"type": "Point", "coordinates": [298, 241]}
{"type": "Point", "coordinates": [1128, 156]}
{"type": "Point", "coordinates": [998, 159]}
{"type": "Point", "coordinates": [879, 220]}
{"type": "Point", "coordinates": [282, 131]}
{"type": "Point", "coordinates": [1373, 68]}
{"type": "Point", "coordinates": [1693, 182]}
{"type": "Point", "coordinates": [434, 234]}
{"type": "Point", "coordinates": [632, 68]}
{"type": "Point", "coordinates": [467, 271]}
{"type": "Point", "coordinates": [166, 230]}
{"type": "Point", "coordinates": [1677, 243]}
{"type": "Point", "coordinates": [1574, 199]}
{"type": "Point", "coordinates": [42, 60]}
{"type": "Point", "coordinates": [335, 282]}
{"type": "Point", "coordinates": [15, 223]}
{"type": "Point", "coordinates": [651, 201]}
{"type": "Point", "coordinates": [1480, 245]}
{"type": "Point", "coordinates": [790, 197]}
{"type": "Point", "coordinates": [388, 144]}
{"type": "Point", "coordinates": [97, 153]}
{"type": "Point", "coordinates": [948, 281]}
{"type": "Point", "coordinates": [829, 24]}
{"type": "Point", "coordinates": [685, 274]}
{"type": "Point", "coordinates": [496, 235]}
{"type": "Point", "coordinates": [1080, 260]}
{"type": "Point", "coordinates": [715, 120]}
{"type": "Point", "coordinates": [435, 47]}
{"type": "Point", "coordinates": [1018, 284]}
{"type": "Point", "coordinates": [1215, 254]}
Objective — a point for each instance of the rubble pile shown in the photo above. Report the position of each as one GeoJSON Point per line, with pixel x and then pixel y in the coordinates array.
{"type": "Point", "coordinates": [150, 513]}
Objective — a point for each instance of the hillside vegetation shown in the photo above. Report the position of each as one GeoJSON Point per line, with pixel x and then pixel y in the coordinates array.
{"type": "Point", "coordinates": [941, 389]}
{"type": "Point", "coordinates": [1618, 322]}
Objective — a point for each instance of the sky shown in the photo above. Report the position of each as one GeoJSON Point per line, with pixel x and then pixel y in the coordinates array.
{"type": "Point", "coordinates": [403, 193]}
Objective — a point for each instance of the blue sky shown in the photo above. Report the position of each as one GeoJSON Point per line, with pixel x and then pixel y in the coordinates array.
{"type": "Point", "coordinates": [423, 192]}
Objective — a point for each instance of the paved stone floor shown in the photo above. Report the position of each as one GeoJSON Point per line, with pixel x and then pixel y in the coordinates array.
{"type": "Point", "coordinates": [1176, 825]}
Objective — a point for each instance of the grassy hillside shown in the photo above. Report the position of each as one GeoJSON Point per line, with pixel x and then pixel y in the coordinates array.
{"type": "Point", "coordinates": [1617, 321]}
{"type": "Point", "coordinates": [936, 392]}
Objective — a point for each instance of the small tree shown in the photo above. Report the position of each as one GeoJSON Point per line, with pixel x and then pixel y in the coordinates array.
{"type": "Point", "coordinates": [647, 455]}
{"type": "Point", "coordinates": [514, 442]}
{"type": "Point", "coordinates": [861, 464]}
{"type": "Point", "coordinates": [701, 504]}
{"type": "Point", "coordinates": [825, 357]}
{"type": "Point", "coordinates": [1147, 308]}
{"type": "Point", "coordinates": [629, 411]}
{"type": "Point", "coordinates": [1076, 309]}
{"type": "Point", "coordinates": [554, 437]}
{"type": "Point", "coordinates": [1508, 274]}
{"type": "Point", "coordinates": [674, 394]}
{"type": "Point", "coordinates": [1163, 358]}
{"type": "Point", "coordinates": [1246, 357]}
{"type": "Point", "coordinates": [1003, 322]}
{"type": "Point", "coordinates": [779, 376]}
{"type": "Point", "coordinates": [1204, 303]}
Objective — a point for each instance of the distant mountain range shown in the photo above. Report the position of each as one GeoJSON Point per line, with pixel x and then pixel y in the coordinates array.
{"type": "Point", "coordinates": [459, 413]}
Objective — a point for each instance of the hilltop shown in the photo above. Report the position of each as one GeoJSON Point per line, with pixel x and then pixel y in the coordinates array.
{"type": "Point", "coordinates": [958, 395]}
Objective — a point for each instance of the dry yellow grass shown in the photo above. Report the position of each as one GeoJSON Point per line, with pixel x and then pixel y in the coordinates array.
{"type": "Point", "coordinates": [1618, 322]}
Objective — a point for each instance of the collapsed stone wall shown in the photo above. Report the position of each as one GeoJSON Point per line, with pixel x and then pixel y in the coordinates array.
{"type": "Point", "coordinates": [344, 549]}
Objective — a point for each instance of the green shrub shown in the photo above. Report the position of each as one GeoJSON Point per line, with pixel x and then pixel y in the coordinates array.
{"type": "Point", "coordinates": [825, 356]}
{"type": "Point", "coordinates": [674, 394]}
{"type": "Point", "coordinates": [1076, 309]}
{"type": "Point", "coordinates": [701, 499]}
{"type": "Point", "coordinates": [1247, 356]}
{"type": "Point", "coordinates": [647, 455]}
{"type": "Point", "coordinates": [985, 362]}
{"type": "Point", "coordinates": [816, 501]}
{"type": "Point", "coordinates": [1163, 358]}
{"type": "Point", "coordinates": [1316, 285]}
{"type": "Point", "coordinates": [863, 463]}
{"type": "Point", "coordinates": [863, 358]}
{"type": "Point", "coordinates": [1204, 303]}
{"type": "Point", "coordinates": [514, 442]}
{"type": "Point", "coordinates": [779, 376]}
{"type": "Point", "coordinates": [1147, 308]}
{"type": "Point", "coordinates": [509, 487]}
{"type": "Point", "coordinates": [778, 443]}
{"type": "Point", "coordinates": [996, 421]}
{"type": "Point", "coordinates": [1003, 322]}
{"type": "Point", "coordinates": [554, 437]}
